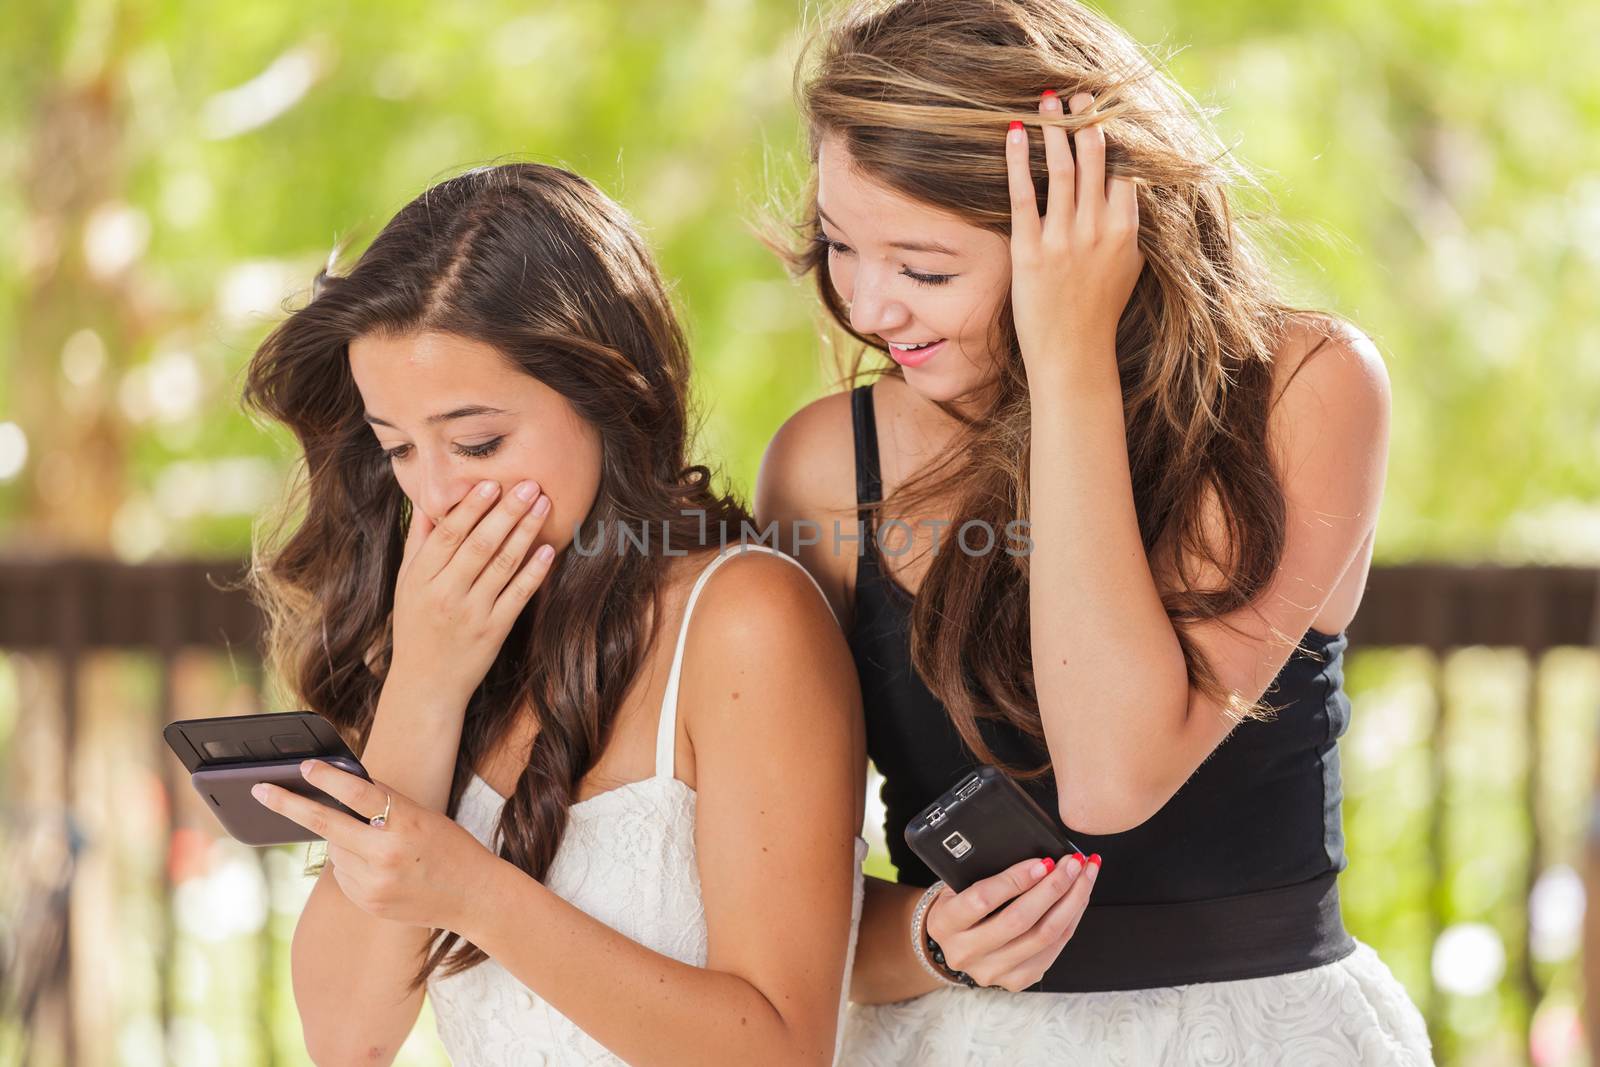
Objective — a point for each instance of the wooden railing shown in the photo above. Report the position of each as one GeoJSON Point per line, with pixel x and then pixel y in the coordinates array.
{"type": "Point", "coordinates": [63, 610]}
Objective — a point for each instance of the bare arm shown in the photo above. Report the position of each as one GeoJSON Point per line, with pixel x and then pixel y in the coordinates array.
{"type": "Point", "coordinates": [773, 714]}
{"type": "Point", "coordinates": [807, 477]}
{"type": "Point", "coordinates": [362, 1015]}
{"type": "Point", "coordinates": [460, 586]}
{"type": "Point", "coordinates": [886, 971]}
{"type": "Point", "coordinates": [1124, 727]}
{"type": "Point", "coordinates": [806, 483]}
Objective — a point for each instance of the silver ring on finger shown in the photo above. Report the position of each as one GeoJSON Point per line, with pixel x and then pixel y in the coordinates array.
{"type": "Point", "coordinates": [382, 817]}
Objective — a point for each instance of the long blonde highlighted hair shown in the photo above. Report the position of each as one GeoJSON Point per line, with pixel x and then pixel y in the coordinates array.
{"type": "Point", "coordinates": [904, 83]}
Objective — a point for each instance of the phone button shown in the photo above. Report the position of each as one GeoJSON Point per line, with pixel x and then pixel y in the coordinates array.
{"type": "Point", "coordinates": [957, 845]}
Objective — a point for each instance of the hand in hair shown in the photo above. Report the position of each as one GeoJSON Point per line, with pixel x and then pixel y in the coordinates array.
{"type": "Point", "coordinates": [1008, 929]}
{"type": "Point", "coordinates": [463, 583]}
{"type": "Point", "coordinates": [1074, 269]}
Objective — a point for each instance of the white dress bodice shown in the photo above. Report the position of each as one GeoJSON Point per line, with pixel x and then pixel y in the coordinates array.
{"type": "Point", "coordinates": [628, 859]}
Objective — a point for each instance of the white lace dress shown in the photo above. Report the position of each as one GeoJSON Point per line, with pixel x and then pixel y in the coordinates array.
{"type": "Point", "coordinates": [628, 859]}
{"type": "Point", "coordinates": [1349, 1013]}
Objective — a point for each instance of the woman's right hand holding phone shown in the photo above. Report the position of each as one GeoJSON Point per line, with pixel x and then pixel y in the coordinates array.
{"type": "Point", "coordinates": [1012, 948]}
{"type": "Point", "coordinates": [463, 582]}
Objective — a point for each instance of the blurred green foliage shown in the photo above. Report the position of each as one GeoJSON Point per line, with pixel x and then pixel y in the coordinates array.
{"type": "Point", "coordinates": [174, 171]}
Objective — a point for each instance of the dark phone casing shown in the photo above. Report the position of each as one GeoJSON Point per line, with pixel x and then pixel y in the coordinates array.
{"type": "Point", "coordinates": [263, 738]}
{"type": "Point", "coordinates": [227, 755]}
{"type": "Point", "coordinates": [980, 826]}
{"type": "Point", "coordinates": [226, 790]}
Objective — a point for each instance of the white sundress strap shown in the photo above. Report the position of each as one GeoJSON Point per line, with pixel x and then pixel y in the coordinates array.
{"type": "Point", "coordinates": [667, 728]}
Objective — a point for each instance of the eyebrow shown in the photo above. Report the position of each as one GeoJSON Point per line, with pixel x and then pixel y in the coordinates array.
{"type": "Point", "coordinates": [906, 246]}
{"type": "Point", "coordinates": [445, 416]}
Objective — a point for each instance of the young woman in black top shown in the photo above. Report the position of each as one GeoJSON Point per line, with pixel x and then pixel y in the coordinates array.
{"type": "Point", "coordinates": [1118, 503]}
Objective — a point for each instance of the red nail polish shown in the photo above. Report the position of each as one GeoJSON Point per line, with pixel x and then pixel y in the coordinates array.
{"type": "Point", "coordinates": [1015, 125]}
{"type": "Point", "coordinates": [1048, 93]}
{"type": "Point", "coordinates": [1095, 859]}
{"type": "Point", "coordinates": [1080, 857]}
{"type": "Point", "coordinates": [1049, 864]}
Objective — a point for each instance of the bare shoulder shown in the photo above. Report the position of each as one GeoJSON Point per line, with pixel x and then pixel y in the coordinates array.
{"type": "Point", "coordinates": [1329, 382]}
{"type": "Point", "coordinates": [806, 485]}
{"type": "Point", "coordinates": [757, 606]}
{"type": "Point", "coordinates": [1322, 356]}
{"type": "Point", "coordinates": [767, 671]}
{"type": "Point", "coordinates": [809, 464]}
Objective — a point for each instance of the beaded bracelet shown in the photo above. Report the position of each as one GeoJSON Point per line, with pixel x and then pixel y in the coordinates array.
{"type": "Point", "coordinates": [919, 939]}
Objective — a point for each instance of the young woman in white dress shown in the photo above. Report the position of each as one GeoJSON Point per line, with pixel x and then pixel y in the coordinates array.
{"type": "Point", "coordinates": [1118, 503]}
{"type": "Point", "coordinates": [616, 770]}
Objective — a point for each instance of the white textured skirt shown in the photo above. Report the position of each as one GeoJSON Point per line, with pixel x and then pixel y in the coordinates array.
{"type": "Point", "coordinates": [1352, 1012]}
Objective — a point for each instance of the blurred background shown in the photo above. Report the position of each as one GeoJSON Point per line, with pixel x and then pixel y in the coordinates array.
{"type": "Point", "coordinates": [173, 172]}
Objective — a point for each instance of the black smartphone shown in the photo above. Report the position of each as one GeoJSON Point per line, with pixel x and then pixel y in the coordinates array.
{"type": "Point", "coordinates": [982, 825]}
{"type": "Point", "coordinates": [226, 756]}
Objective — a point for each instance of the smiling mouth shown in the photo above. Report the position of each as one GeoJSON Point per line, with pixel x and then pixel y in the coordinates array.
{"type": "Point", "coordinates": [915, 355]}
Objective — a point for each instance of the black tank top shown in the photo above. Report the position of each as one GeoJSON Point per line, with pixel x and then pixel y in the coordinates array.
{"type": "Point", "coordinates": [1235, 877]}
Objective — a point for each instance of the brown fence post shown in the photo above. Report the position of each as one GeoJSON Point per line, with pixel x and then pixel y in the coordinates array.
{"type": "Point", "coordinates": [69, 638]}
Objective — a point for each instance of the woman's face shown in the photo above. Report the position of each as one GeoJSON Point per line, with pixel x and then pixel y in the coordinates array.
{"type": "Point", "coordinates": [453, 412]}
{"type": "Point", "coordinates": [911, 273]}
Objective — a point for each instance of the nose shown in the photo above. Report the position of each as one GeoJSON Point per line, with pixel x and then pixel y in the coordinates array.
{"type": "Point", "coordinates": [872, 311]}
{"type": "Point", "coordinates": [442, 486]}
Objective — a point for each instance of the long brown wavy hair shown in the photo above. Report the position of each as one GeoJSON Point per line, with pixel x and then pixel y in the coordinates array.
{"type": "Point", "coordinates": [902, 84]}
{"type": "Point", "coordinates": [539, 264]}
